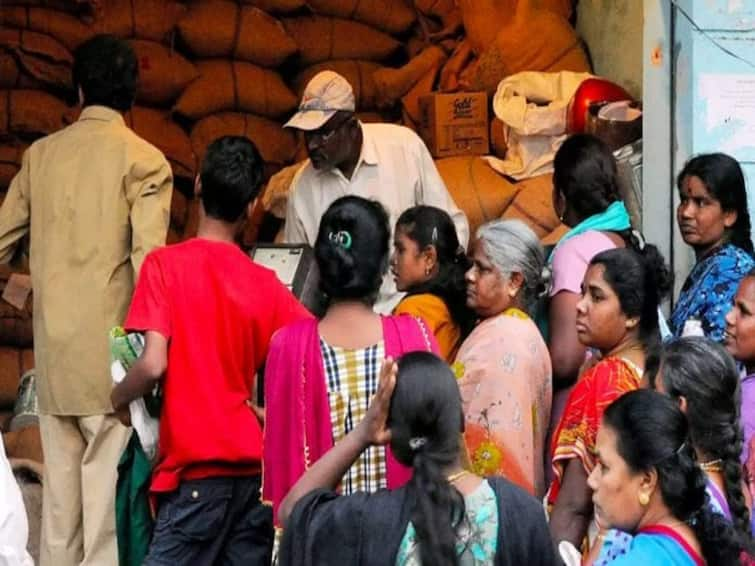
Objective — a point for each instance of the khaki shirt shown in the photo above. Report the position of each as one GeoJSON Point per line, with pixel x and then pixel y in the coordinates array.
{"type": "Point", "coordinates": [394, 168]}
{"type": "Point", "coordinates": [96, 199]}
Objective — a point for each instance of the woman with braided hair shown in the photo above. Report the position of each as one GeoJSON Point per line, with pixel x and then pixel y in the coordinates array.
{"type": "Point", "coordinates": [703, 378]}
{"type": "Point", "coordinates": [739, 339]}
{"type": "Point", "coordinates": [647, 483]}
{"type": "Point", "coordinates": [444, 516]}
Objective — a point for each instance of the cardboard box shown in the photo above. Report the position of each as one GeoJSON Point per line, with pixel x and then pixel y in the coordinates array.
{"type": "Point", "coordinates": [455, 123]}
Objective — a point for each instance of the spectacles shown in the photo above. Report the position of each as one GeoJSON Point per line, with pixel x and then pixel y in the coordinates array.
{"type": "Point", "coordinates": [324, 138]}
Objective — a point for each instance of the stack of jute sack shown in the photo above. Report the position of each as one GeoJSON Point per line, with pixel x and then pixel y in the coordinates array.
{"type": "Point", "coordinates": [217, 67]}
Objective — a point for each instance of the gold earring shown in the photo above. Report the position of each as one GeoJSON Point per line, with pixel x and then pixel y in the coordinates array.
{"type": "Point", "coordinates": [644, 498]}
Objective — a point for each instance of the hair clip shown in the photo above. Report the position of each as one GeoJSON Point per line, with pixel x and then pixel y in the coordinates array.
{"type": "Point", "coordinates": [341, 238]}
{"type": "Point", "coordinates": [640, 239]}
{"type": "Point", "coordinates": [417, 442]}
{"type": "Point", "coordinates": [434, 237]}
{"type": "Point", "coordinates": [681, 449]}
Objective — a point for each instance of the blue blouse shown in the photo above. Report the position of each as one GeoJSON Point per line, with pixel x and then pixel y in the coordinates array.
{"type": "Point", "coordinates": [709, 290]}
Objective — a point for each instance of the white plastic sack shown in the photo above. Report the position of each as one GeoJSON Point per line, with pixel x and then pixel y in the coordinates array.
{"type": "Point", "coordinates": [533, 107]}
{"type": "Point", "coordinates": [147, 428]}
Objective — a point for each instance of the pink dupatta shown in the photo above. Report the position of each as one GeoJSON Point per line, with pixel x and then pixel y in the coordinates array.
{"type": "Point", "coordinates": [297, 414]}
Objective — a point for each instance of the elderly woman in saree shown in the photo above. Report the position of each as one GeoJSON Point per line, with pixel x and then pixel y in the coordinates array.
{"type": "Point", "coordinates": [503, 367]}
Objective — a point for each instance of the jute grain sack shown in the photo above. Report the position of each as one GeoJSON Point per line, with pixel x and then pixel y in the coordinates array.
{"type": "Point", "coordinates": [10, 375]}
{"type": "Point", "coordinates": [276, 144]}
{"type": "Point", "coordinates": [410, 101]}
{"type": "Point", "coordinates": [445, 10]}
{"type": "Point", "coordinates": [192, 220]}
{"type": "Point", "coordinates": [235, 85]}
{"type": "Point", "coordinates": [393, 16]}
{"type": "Point", "coordinates": [322, 39]}
{"type": "Point", "coordinates": [392, 84]}
{"type": "Point", "coordinates": [15, 324]}
{"type": "Point", "coordinates": [276, 6]}
{"type": "Point", "coordinates": [25, 443]}
{"type": "Point", "coordinates": [479, 191]}
{"type": "Point", "coordinates": [39, 55]}
{"type": "Point", "coordinates": [275, 197]}
{"type": "Point", "coordinates": [555, 47]}
{"type": "Point", "coordinates": [12, 76]}
{"type": "Point", "coordinates": [221, 28]}
{"type": "Point", "coordinates": [533, 204]}
{"type": "Point", "coordinates": [163, 72]}
{"type": "Point", "coordinates": [156, 127]}
{"type": "Point", "coordinates": [143, 19]}
{"type": "Point", "coordinates": [67, 29]}
{"type": "Point", "coordinates": [483, 19]}
{"type": "Point", "coordinates": [10, 161]}
{"type": "Point", "coordinates": [30, 113]}
{"type": "Point", "coordinates": [73, 6]}
{"type": "Point", "coordinates": [179, 209]}
{"type": "Point", "coordinates": [358, 73]}
{"type": "Point", "coordinates": [498, 144]}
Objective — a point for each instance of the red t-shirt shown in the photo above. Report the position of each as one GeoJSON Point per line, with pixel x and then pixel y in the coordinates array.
{"type": "Point", "coordinates": [218, 310]}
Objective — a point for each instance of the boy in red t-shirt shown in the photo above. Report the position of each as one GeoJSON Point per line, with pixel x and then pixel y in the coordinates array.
{"type": "Point", "coordinates": [208, 313]}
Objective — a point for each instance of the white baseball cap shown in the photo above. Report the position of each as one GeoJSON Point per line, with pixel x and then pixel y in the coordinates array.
{"type": "Point", "coordinates": [327, 93]}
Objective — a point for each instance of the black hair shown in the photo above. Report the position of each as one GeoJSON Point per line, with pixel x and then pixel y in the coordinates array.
{"type": "Point", "coordinates": [651, 434]}
{"type": "Point", "coordinates": [352, 249]}
{"type": "Point", "coordinates": [431, 226]}
{"type": "Point", "coordinates": [106, 69]}
{"type": "Point", "coordinates": [723, 178]}
{"type": "Point", "coordinates": [231, 177]}
{"type": "Point", "coordinates": [426, 422]}
{"type": "Point", "coordinates": [584, 170]}
{"type": "Point", "coordinates": [640, 279]}
{"type": "Point", "coordinates": [705, 374]}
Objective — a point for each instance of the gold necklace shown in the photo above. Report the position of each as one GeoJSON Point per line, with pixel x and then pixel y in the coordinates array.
{"type": "Point", "coordinates": [458, 475]}
{"type": "Point", "coordinates": [712, 465]}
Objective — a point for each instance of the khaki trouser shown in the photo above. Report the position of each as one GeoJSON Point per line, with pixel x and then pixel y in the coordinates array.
{"type": "Point", "coordinates": [78, 502]}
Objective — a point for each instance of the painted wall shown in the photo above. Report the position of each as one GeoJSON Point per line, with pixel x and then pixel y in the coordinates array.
{"type": "Point", "coordinates": [612, 30]}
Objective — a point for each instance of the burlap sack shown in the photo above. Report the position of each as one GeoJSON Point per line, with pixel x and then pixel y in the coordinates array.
{"type": "Point", "coordinates": [276, 144]}
{"type": "Point", "coordinates": [392, 84]}
{"type": "Point", "coordinates": [410, 101]}
{"type": "Point", "coordinates": [235, 85]}
{"type": "Point", "coordinates": [276, 6]}
{"type": "Point", "coordinates": [323, 39]}
{"type": "Point", "coordinates": [30, 113]}
{"type": "Point", "coordinates": [39, 55]}
{"type": "Point", "coordinates": [13, 77]}
{"type": "Point", "coordinates": [533, 204]}
{"type": "Point", "coordinates": [73, 6]}
{"type": "Point", "coordinates": [192, 220]}
{"type": "Point", "coordinates": [179, 209]}
{"type": "Point", "coordinates": [163, 73]}
{"type": "Point", "coordinates": [156, 127]}
{"type": "Point", "coordinates": [143, 19]}
{"type": "Point", "coordinates": [10, 161]}
{"type": "Point", "coordinates": [555, 47]}
{"type": "Point", "coordinates": [275, 197]}
{"type": "Point", "coordinates": [479, 191]}
{"type": "Point", "coordinates": [444, 10]}
{"type": "Point", "coordinates": [393, 16]}
{"type": "Point", "coordinates": [10, 375]}
{"type": "Point", "coordinates": [66, 28]}
{"type": "Point", "coordinates": [221, 28]}
{"type": "Point", "coordinates": [24, 443]}
{"type": "Point", "coordinates": [27, 360]}
{"type": "Point", "coordinates": [358, 73]}
{"type": "Point", "coordinates": [15, 324]}
{"type": "Point", "coordinates": [498, 144]}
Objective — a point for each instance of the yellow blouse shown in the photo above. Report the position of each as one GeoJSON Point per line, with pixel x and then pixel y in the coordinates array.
{"type": "Point", "coordinates": [436, 315]}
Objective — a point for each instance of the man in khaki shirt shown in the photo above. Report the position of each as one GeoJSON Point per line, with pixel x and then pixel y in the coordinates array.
{"type": "Point", "coordinates": [95, 198]}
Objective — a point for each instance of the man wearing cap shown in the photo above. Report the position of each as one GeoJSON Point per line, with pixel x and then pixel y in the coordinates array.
{"type": "Point", "coordinates": [384, 162]}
